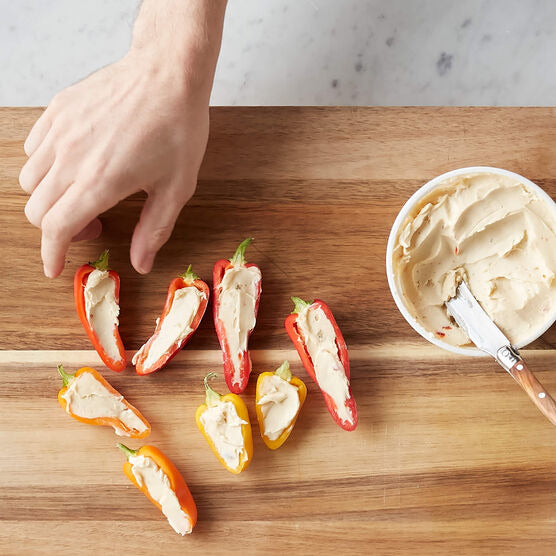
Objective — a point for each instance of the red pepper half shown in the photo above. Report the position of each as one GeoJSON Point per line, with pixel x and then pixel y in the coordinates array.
{"type": "Point", "coordinates": [219, 271]}
{"type": "Point", "coordinates": [79, 283]}
{"type": "Point", "coordinates": [189, 278]}
{"type": "Point", "coordinates": [297, 338]}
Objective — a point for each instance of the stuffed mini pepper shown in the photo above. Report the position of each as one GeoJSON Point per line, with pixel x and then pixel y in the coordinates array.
{"type": "Point", "coordinates": [323, 352]}
{"type": "Point", "coordinates": [185, 306]}
{"type": "Point", "coordinates": [159, 480]}
{"type": "Point", "coordinates": [237, 290]}
{"type": "Point", "coordinates": [278, 400]}
{"type": "Point", "coordinates": [96, 290]}
{"type": "Point", "coordinates": [224, 422]}
{"type": "Point", "coordinates": [89, 398]}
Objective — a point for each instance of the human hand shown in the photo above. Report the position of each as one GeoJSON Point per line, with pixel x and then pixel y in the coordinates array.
{"type": "Point", "coordinates": [138, 124]}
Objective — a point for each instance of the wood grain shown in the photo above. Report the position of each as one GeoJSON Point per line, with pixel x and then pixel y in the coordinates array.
{"type": "Point", "coordinates": [444, 459]}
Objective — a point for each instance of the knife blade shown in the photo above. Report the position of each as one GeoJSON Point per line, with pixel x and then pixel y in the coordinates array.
{"type": "Point", "coordinates": [482, 331]}
{"type": "Point", "coordinates": [480, 328]}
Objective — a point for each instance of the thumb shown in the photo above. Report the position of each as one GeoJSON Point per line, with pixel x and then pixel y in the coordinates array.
{"type": "Point", "coordinates": [157, 220]}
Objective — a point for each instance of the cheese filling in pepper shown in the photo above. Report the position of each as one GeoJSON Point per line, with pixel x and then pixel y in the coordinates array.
{"type": "Point", "coordinates": [86, 397]}
{"type": "Point", "coordinates": [495, 233]}
{"type": "Point", "coordinates": [176, 325]}
{"type": "Point", "coordinates": [102, 310]}
{"type": "Point", "coordinates": [222, 423]}
{"type": "Point", "coordinates": [238, 298]}
{"type": "Point", "coordinates": [279, 405]}
{"type": "Point", "coordinates": [320, 341]}
{"type": "Point", "coordinates": [148, 474]}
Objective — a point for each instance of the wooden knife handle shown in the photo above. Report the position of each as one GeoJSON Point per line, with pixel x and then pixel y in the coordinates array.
{"type": "Point", "coordinates": [540, 397]}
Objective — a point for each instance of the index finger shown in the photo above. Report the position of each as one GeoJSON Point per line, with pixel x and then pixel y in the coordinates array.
{"type": "Point", "coordinates": [73, 211]}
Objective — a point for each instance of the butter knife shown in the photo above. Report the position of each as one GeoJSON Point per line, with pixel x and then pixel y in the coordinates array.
{"type": "Point", "coordinates": [482, 331]}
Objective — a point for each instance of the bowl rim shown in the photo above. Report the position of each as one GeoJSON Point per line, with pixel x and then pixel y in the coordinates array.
{"type": "Point", "coordinates": [400, 218]}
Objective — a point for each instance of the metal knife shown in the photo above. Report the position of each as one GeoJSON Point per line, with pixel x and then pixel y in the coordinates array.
{"type": "Point", "coordinates": [472, 318]}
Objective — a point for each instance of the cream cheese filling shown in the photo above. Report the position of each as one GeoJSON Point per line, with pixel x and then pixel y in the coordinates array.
{"type": "Point", "coordinates": [102, 310]}
{"type": "Point", "coordinates": [223, 425]}
{"type": "Point", "coordinates": [495, 233]}
{"type": "Point", "coordinates": [147, 473]}
{"type": "Point", "coordinates": [86, 397]}
{"type": "Point", "coordinates": [176, 325]}
{"type": "Point", "coordinates": [237, 301]}
{"type": "Point", "coordinates": [320, 341]}
{"type": "Point", "coordinates": [279, 405]}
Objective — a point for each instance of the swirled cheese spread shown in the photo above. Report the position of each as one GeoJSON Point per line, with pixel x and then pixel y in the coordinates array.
{"type": "Point", "coordinates": [493, 232]}
{"type": "Point", "coordinates": [223, 424]}
{"type": "Point", "coordinates": [279, 405]}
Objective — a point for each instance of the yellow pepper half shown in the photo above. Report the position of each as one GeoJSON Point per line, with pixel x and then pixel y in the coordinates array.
{"type": "Point", "coordinates": [212, 399]}
{"type": "Point", "coordinates": [283, 371]}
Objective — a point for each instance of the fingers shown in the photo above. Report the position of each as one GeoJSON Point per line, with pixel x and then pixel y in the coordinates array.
{"type": "Point", "coordinates": [38, 133]}
{"type": "Point", "coordinates": [37, 166]}
{"type": "Point", "coordinates": [45, 195]}
{"type": "Point", "coordinates": [91, 231]}
{"type": "Point", "coordinates": [154, 228]}
{"type": "Point", "coordinates": [71, 214]}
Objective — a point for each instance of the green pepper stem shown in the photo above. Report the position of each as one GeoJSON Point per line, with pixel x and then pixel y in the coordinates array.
{"type": "Point", "coordinates": [211, 397]}
{"type": "Point", "coordinates": [283, 371]}
{"type": "Point", "coordinates": [189, 276]}
{"type": "Point", "coordinates": [66, 377]}
{"type": "Point", "coordinates": [127, 451]}
{"type": "Point", "coordinates": [299, 304]}
{"type": "Point", "coordinates": [239, 255]}
{"type": "Point", "coordinates": [102, 262]}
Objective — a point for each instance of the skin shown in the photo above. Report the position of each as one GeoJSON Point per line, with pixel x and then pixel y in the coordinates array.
{"type": "Point", "coordinates": [139, 124]}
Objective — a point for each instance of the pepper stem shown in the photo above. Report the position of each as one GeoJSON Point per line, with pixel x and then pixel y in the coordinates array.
{"type": "Point", "coordinates": [211, 397]}
{"type": "Point", "coordinates": [239, 255]}
{"type": "Point", "coordinates": [102, 262]}
{"type": "Point", "coordinates": [127, 451]}
{"type": "Point", "coordinates": [189, 276]}
{"type": "Point", "coordinates": [66, 377]}
{"type": "Point", "coordinates": [299, 304]}
{"type": "Point", "coordinates": [283, 371]}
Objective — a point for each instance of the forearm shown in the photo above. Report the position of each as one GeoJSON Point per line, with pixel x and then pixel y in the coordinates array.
{"type": "Point", "coordinates": [182, 33]}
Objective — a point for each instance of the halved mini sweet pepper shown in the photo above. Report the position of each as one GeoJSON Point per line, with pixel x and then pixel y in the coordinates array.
{"type": "Point", "coordinates": [183, 310]}
{"type": "Point", "coordinates": [338, 378]}
{"type": "Point", "coordinates": [88, 397]}
{"type": "Point", "coordinates": [276, 396]}
{"type": "Point", "coordinates": [96, 290]}
{"type": "Point", "coordinates": [160, 481]}
{"type": "Point", "coordinates": [237, 292]}
{"type": "Point", "coordinates": [224, 422]}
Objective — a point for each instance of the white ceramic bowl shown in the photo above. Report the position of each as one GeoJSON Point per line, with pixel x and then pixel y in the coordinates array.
{"type": "Point", "coordinates": [406, 209]}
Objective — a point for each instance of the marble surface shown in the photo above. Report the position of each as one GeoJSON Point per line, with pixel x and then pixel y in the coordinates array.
{"type": "Point", "coordinates": [308, 52]}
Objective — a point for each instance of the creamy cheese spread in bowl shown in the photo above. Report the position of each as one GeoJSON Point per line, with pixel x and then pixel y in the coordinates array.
{"type": "Point", "coordinates": [491, 227]}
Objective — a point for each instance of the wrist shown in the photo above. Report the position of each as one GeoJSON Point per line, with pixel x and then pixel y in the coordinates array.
{"type": "Point", "coordinates": [180, 39]}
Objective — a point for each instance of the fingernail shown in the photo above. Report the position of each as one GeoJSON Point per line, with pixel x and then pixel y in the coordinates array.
{"type": "Point", "coordinates": [47, 272]}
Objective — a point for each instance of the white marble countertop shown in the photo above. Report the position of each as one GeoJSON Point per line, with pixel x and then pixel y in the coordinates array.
{"type": "Point", "coordinates": [308, 52]}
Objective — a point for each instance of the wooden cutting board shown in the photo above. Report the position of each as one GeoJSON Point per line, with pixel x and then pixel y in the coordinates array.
{"type": "Point", "coordinates": [450, 455]}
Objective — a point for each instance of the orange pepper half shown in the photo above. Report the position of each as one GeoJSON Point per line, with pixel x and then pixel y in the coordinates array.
{"type": "Point", "coordinates": [177, 482]}
{"type": "Point", "coordinates": [212, 398]}
{"type": "Point", "coordinates": [105, 421]}
{"type": "Point", "coordinates": [283, 371]}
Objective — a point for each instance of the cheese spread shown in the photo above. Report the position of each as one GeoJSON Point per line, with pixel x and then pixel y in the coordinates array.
{"type": "Point", "coordinates": [148, 474]}
{"type": "Point", "coordinates": [320, 341]}
{"type": "Point", "coordinates": [86, 397]}
{"type": "Point", "coordinates": [237, 301]}
{"type": "Point", "coordinates": [495, 233]}
{"type": "Point", "coordinates": [279, 405]}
